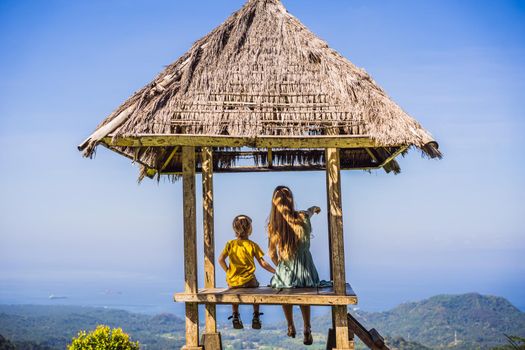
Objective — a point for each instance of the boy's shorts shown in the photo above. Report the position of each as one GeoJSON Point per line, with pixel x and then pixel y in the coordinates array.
{"type": "Point", "coordinates": [253, 283]}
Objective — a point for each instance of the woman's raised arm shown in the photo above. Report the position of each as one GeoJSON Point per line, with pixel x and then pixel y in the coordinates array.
{"type": "Point", "coordinates": [313, 210]}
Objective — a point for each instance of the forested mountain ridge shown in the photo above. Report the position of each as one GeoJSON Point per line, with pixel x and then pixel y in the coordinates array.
{"type": "Point", "coordinates": [468, 321]}
{"type": "Point", "coordinates": [478, 321]}
{"type": "Point", "coordinates": [55, 326]}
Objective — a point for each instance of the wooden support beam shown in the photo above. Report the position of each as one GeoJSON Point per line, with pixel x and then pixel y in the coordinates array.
{"type": "Point", "coordinates": [190, 246]}
{"type": "Point", "coordinates": [333, 173]}
{"type": "Point", "coordinates": [278, 168]}
{"type": "Point", "coordinates": [329, 235]}
{"type": "Point", "coordinates": [335, 217]}
{"type": "Point", "coordinates": [152, 172]}
{"type": "Point", "coordinates": [270, 296]}
{"type": "Point", "coordinates": [190, 219]}
{"type": "Point", "coordinates": [170, 158]}
{"type": "Point", "coordinates": [269, 169]}
{"type": "Point", "coordinates": [393, 156]}
{"type": "Point", "coordinates": [269, 299]}
{"type": "Point", "coordinates": [209, 243]}
{"type": "Point", "coordinates": [270, 158]}
{"type": "Point", "coordinates": [372, 155]}
{"type": "Point", "coordinates": [166, 140]}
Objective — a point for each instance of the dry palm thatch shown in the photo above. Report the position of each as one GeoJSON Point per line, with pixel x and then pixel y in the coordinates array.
{"type": "Point", "coordinates": [262, 72]}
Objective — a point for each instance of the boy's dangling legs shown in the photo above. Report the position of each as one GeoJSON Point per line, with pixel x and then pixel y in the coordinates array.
{"type": "Point", "coordinates": [256, 321]}
{"type": "Point", "coordinates": [235, 317]}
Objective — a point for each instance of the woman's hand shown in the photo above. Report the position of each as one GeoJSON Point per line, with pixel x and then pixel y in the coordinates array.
{"type": "Point", "coordinates": [314, 210]}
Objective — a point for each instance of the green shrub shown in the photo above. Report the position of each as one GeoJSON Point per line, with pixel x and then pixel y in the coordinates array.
{"type": "Point", "coordinates": [103, 338]}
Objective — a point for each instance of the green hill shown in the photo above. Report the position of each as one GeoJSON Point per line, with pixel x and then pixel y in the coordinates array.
{"type": "Point", "coordinates": [480, 322]}
{"type": "Point", "coordinates": [402, 344]}
{"type": "Point", "coordinates": [55, 326]}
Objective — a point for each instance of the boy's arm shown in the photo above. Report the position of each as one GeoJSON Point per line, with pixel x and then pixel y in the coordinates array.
{"type": "Point", "coordinates": [222, 262]}
{"type": "Point", "coordinates": [265, 265]}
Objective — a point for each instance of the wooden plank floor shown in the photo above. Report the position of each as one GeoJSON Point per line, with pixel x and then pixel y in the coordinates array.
{"type": "Point", "coordinates": [270, 296]}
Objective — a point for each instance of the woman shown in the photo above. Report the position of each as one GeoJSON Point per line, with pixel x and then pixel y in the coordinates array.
{"type": "Point", "coordinates": [289, 234]}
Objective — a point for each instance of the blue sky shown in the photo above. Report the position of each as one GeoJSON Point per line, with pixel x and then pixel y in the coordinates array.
{"type": "Point", "coordinates": [71, 225]}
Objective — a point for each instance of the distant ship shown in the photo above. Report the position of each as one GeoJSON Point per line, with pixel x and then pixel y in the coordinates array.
{"type": "Point", "coordinates": [111, 292]}
{"type": "Point", "coordinates": [56, 297]}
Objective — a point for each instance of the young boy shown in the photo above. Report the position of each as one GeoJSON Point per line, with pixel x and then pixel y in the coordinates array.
{"type": "Point", "coordinates": [241, 271]}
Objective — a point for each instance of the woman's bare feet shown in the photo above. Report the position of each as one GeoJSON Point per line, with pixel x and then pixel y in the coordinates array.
{"type": "Point", "coordinates": [308, 339]}
{"type": "Point", "coordinates": [291, 331]}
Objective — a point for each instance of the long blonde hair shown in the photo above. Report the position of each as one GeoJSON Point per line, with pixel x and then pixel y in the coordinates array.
{"type": "Point", "coordinates": [285, 225]}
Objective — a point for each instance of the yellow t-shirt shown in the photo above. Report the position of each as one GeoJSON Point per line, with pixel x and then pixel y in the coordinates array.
{"type": "Point", "coordinates": [241, 253]}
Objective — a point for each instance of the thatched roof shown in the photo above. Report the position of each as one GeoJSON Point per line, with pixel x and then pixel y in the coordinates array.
{"type": "Point", "coordinates": [262, 73]}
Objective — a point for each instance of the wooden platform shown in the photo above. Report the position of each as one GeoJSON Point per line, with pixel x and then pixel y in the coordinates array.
{"type": "Point", "coordinates": [269, 296]}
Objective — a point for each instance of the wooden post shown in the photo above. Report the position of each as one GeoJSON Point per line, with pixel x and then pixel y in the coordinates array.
{"type": "Point", "coordinates": [211, 339]}
{"type": "Point", "coordinates": [330, 343]}
{"type": "Point", "coordinates": [335, 219]}
{"type": "Point", "coordinates": [209, 238]}
{"type": "Point", "coordinates": [190, 247]}
{"type": "Point", "coordinates": [329, 230]}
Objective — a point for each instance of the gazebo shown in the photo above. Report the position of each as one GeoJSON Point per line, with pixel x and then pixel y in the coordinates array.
{"type": "Point", "coordinates": [261, 93]}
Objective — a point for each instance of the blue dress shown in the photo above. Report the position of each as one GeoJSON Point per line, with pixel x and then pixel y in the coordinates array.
{"type": "Point", "coordinates": [299, 271]}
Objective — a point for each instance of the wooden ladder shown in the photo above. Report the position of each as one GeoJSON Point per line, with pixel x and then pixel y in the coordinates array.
{"type": "Point", "coordinates": [371, 338]}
